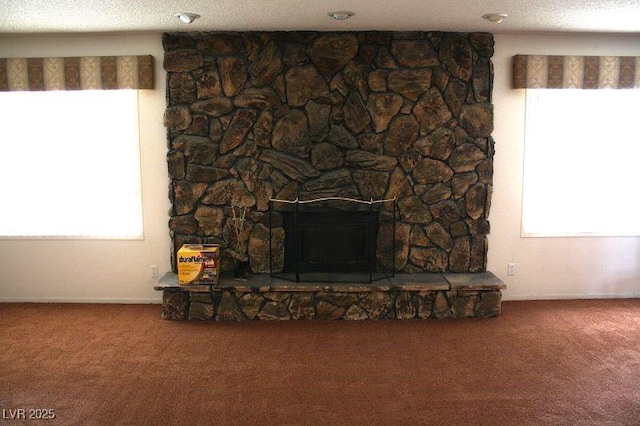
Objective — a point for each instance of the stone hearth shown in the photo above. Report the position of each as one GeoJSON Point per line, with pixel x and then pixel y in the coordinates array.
{"type": "Point", "coordinates": [405, 296]}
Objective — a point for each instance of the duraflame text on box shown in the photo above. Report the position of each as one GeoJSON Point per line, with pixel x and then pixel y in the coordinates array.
{"type": "Point", "coordinates": [198, 264]}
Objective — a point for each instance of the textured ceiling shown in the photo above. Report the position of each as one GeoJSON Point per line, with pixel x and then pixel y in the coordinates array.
{"type": "Point", "coordinates": [63, 16]}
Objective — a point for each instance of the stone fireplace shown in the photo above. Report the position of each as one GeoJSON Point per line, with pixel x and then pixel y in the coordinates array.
{"type": "Point", "coordinates": [302, 115]}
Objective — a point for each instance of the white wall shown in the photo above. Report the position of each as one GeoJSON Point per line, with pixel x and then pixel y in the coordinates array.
{"type": "Point", "coordinates": [549, 268]}
{"type": "Point", "coordinates": [118, 271]}
{"type": "Point", "coordinates": [98, 271]}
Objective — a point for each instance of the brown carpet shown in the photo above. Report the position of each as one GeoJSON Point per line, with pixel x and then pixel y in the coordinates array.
{"type": "Point", "coordinates": [551, 362]}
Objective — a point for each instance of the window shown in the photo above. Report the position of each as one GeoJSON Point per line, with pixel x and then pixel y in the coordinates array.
{"type": "Point", "coordinates": [582, 163]}
{"type": "Point", "coordinates": [70, 164]}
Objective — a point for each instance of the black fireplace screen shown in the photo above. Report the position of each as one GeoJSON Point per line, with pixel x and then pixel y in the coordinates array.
{"type": "Point", "coordinates": [332, 239]}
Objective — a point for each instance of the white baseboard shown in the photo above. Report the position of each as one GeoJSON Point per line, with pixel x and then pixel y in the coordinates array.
{"type": "Point", "coordinates": [157, 301]}
{"type": "Point", "coordinates": [506, 298]}
{"type": "Point", "coordinates": [119, 301]}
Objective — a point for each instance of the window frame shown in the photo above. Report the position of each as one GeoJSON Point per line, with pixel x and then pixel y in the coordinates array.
{"type": "Point", "coordinates": [608, 226]}
{"type": "Point", "coordinates": [127, 104]}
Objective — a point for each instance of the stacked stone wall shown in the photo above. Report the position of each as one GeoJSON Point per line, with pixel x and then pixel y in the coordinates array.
{"type": "Point", "coordinates": [368, 115]}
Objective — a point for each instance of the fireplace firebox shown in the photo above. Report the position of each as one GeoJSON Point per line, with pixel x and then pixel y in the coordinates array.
{"type": "Point", "coordinates": [333, 243]}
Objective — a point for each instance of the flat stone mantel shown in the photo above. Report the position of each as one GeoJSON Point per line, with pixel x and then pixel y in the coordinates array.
{"type": "Point", "coordinates": [404, 296]}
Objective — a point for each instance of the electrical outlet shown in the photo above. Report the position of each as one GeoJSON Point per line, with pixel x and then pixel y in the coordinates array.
{"type": "Point", "coordinates": [511, 269]}
{"type": "Point", "coordinates": [154, 271]}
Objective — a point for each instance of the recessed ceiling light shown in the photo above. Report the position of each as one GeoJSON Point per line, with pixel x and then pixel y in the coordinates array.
{"type": "Point", "coordinates": [187, 18]}
{"type": "Point", "coordinates": [341, 15]}
{"type": "Point", "coordinates": [496, 18]}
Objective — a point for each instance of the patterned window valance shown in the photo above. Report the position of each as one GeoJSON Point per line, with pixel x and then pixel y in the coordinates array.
{"type": "Point", "coordinates": [576, 72]}
{"type": "Point", "coordinates": [77, 73]}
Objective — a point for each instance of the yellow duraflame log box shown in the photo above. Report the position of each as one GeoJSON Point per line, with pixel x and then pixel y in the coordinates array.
{"type": "Point", "coordinates": [198, 264]}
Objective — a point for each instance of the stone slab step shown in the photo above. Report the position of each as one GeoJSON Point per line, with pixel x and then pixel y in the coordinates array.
{"type": "Point", "coordinates": [406, 282]}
